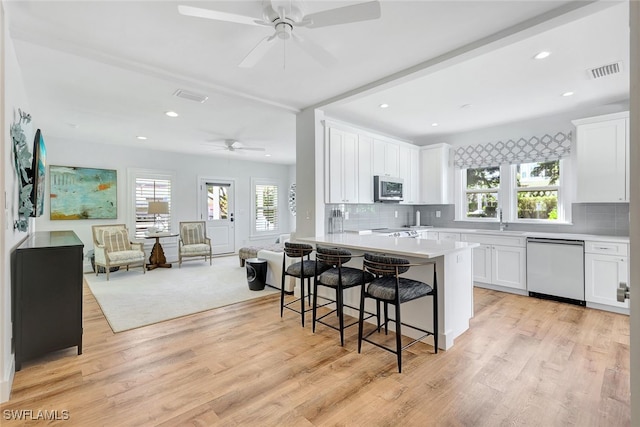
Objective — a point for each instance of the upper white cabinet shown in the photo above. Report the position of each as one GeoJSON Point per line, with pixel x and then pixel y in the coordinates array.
{"type": "Point", "coordinates": [409, 165]}
{"type": "Point", "coordinates": [342, 170]}
{"type": "Point", "coordinates": [602, 153]}
{"type": "Point", "coordinates": [436, 175]}
{"type": "Point", "coordinates": [365, 169]}
{"type": "Point", "coordinates": [385, 158]}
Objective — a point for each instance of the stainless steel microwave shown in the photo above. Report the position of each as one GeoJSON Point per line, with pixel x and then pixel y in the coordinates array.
{"type": "Point", "coordinates": [387, 189]}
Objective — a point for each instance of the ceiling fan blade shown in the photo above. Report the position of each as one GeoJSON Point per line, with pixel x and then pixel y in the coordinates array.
{"type": "Point", "coordinates": [257, 52]}
{"type": "Point", "coordinates": [218, 16]}
{"type": "Point", "coordinates": [316, 51]}
{"type": "Point", "coordinates": [344, 15]}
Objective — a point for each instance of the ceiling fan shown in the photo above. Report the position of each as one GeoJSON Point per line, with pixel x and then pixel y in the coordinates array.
{"type": "Point", "coordinates": [285, 16]}
{"type": "Point", "coordinates": [234, 145]}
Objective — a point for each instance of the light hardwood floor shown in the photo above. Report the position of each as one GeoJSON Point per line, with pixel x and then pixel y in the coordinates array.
{"type": "Point", "coordinates": [524, 361]}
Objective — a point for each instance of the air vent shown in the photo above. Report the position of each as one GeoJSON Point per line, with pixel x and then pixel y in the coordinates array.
{"type": "Point", "coordinates": [605, 70]}
{"type": "Point", "coordinates": [190, 96]}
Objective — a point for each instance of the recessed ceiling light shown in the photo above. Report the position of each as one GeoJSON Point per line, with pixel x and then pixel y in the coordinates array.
{"type": "Point", "coordinates": [171, 114]}
{"type": "Point", "coordinates": [434, 124]}
{"type": "Point", "coordinates": [267, 155]}
{"type": "Point", "coordinates": [383, 105]}
{"type": "Point", "coordinates": [542, 55]}
{"type": "Point", "coordinates": [141, 137]}
{"type": "Point", "coordinates": [567, 94]}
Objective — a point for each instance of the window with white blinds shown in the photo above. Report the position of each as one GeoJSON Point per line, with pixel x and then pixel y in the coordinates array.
{"type": "Point", "coordinates": [265, 213]}
{"type": "Point", "coordinates": [152, 189]}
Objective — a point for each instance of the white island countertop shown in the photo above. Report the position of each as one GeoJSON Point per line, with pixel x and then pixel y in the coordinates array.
{"type": "Point", "coordinates": [420, 248]}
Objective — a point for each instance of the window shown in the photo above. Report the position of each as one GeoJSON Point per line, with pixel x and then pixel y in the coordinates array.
{"type": "Point", "coordinates": [482, 186]}
{"type": "Point", "coordinates": [151, 189]}
{"type": "Point", "coordinates": [537, 186]}
{"type": "Point", "coordinates": [527, 192]}
{"type": "Point", "coordinates": [265, 215]}
{"type": "Point", "coordinates": [217, 201]}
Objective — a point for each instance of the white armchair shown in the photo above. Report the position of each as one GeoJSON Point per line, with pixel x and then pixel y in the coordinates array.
{"type": "Point", "coordinates": [113, 248]}
{"type": "Point", "coordinates": [194, 241]}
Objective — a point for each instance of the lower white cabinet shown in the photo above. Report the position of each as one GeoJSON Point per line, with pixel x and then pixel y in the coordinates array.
{"type": "Point", "coordinates": [440, 235]}
{"type": "Point", "coordinates": [606, 265]}
{"type": "Point", "coordinates": [499, 260]}
{"type": "Point", "coordinates": [500, 265]}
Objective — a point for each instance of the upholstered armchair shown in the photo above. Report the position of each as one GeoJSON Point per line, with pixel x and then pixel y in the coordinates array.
{"type": "Point", "coordinates": [113, 248]}
{"type": "Point", "coordinates": [194, 241]}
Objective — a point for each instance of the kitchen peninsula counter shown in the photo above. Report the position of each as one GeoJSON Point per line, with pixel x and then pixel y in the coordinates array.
{"type": "Point", "coordinates": [454, 268]}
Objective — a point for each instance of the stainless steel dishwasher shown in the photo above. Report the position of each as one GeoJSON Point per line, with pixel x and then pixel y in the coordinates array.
{"type": "Point", "coordinates": [555, 269]}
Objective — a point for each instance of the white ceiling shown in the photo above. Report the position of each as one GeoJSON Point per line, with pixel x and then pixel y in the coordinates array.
{"type": "Point", "coordinates": [105, 71]}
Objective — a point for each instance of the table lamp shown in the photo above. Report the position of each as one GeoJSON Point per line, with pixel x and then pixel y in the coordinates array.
{"type": "Point", "coordinates": [157, 209]}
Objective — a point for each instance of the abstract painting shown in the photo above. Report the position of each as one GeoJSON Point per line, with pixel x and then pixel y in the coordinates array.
{"type": "Point", "coordinates": [83, 193]}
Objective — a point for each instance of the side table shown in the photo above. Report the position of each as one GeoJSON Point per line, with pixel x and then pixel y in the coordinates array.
{"type": "Point", "coordinates": [157, 258]}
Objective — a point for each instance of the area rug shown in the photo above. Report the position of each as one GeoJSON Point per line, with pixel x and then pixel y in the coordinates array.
{"type": "Point", "coordinates": [131, 299]}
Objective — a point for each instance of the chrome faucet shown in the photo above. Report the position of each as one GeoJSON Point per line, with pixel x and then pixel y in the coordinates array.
{"type": "Point", "coordinates": [503, 224]}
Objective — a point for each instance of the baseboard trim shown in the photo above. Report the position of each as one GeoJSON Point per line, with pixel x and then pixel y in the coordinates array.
{"type": "Point", "coordinates": [5, 385]}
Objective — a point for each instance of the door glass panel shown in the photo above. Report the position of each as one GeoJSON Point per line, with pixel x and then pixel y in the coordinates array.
{"type": "Point", "coordinates": [217, 202]}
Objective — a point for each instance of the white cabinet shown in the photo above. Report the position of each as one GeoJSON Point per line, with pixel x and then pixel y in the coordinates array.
{"type": "Point", "coordinates": [365, 170]}
{"type": "Point", "coordinates": [385, 158]}
{"type": "Point", "coordinates": [499, 260]}
{"type": "Point", "coordinates": [436, 175]}
{"type": "Point", "coordinates": [409, 171]}
{"type": "Point", "coordinates": [441, 235]}
{"type": "Point", "coordinates": [606, 265]}
{"type": "Point", "coordinates": [602, 151]}
{"type": "Point", "coordinates": [342, 171]}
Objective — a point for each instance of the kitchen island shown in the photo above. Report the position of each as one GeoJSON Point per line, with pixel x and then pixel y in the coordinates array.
{"type": "Point", "coordinates": [454, 268]}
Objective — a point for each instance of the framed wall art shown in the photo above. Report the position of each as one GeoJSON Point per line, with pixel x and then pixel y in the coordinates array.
{"type": "Point", "coordinates": [82, 193]}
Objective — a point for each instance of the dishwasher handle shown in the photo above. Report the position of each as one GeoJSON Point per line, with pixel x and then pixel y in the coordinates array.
{"type": "Point", "coordinates": [555, 241]}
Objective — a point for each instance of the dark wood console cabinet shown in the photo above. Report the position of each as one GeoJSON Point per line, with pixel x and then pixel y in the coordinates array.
{"type": "Point", "coordinates": [46, 294]}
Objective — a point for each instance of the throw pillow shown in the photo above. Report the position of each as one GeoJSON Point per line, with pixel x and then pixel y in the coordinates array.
{"type": "Point", "coordinates": [192, 234]}
{"type": "Point", "coordinates": [116, 241]}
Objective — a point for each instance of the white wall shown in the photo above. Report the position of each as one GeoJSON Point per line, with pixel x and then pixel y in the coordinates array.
{"type": "Point", "coordinates": [526, 128]}
{"type": "Point", "coordinates": [14, 97]}
{"type": "Point", "coordinates": [634, 231]}
{"type": "Point", "coordinates": [310, 172]}
{"type": "Point", "coordinates": [187, 169]}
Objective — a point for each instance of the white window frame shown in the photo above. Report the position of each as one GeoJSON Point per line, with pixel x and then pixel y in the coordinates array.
{"type": "Point", "coordinates": [254, 231]}
{"type": "Point", "coordinates": [508, 198]}
{"type": "Point", "coordinates": [560, 188]}
{"type": "Point", "coordinates": [133, 174]}
{"type": "Point", "coordinates": [463, 197]}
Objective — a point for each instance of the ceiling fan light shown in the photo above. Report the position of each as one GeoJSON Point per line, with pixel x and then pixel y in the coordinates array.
{"type": "Point", "coordinates": [283, 30]}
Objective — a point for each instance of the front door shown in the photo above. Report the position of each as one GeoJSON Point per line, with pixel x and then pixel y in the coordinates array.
{"type": "Point", "coordinates": [217, 211]}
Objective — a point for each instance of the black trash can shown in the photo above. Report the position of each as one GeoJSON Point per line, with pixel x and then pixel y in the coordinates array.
{"type": "Point", "coordinates": [256, 273]}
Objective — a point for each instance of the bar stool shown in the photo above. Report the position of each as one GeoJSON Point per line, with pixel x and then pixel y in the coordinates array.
{"type": "Point", "coordinates": [303, 269]}
{"type": "Point", "coordinates": [338, 277]}
{"type": "Point", "coordinates": [388, 287]}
